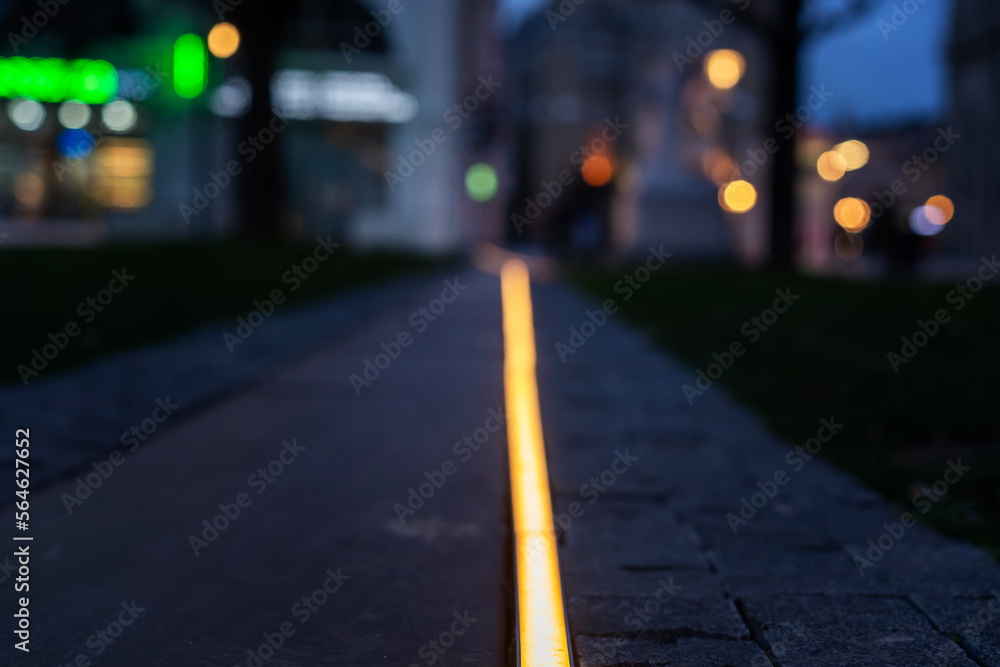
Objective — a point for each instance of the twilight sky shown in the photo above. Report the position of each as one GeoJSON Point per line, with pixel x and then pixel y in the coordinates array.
{"type": "Point", "coordinates": [875, 80]}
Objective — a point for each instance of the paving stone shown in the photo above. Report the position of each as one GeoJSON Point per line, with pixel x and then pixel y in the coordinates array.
{"type": "Point", "coordinates": [831, 630]}
{"type": "Point", "coordinates": [708, 616]}
{"type": "Point", "coordinates": [974, 621]}
{"type": "Point", "coordinates": [630, 535]}
{"type": "Point", "coordinates": [687, 652]}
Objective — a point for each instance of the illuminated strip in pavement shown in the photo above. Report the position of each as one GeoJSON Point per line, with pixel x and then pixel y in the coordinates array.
{"type": "Point", "coordinates": [542, 633]}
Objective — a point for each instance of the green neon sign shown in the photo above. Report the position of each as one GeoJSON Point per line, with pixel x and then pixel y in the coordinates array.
{"type": "Point", "coordinates": [190, 66]}
{"type": "Point", "coordinates": [58, 80]}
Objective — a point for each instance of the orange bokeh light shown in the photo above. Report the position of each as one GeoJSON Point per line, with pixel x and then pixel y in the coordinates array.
{"type": "Point", "coordinates": [831, 166]}
{"type": "Point", "coordinates": [597, 170]}
{"type": "Point", "coordinates": [737, 197]}
{"type": "Point", "coordinates": [719, 167]}
{"type": "Point", "coordinates": [852, 214]}
{"type": "Point", "coordinates": [724, 68]}
{"type": "Point", "coordinates": [223, 40]}
{"type": "Point", "coordinates": [941, 211]}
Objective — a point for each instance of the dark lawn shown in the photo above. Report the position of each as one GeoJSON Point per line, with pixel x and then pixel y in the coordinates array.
{"type": "Point", "coordinates": [176, 287]}
{"type": "Point", "coordinates": [828, 356]}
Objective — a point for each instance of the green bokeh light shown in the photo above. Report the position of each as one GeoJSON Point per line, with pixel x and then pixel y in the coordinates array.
{"type": "Point", "coordinates": [58, 80]}
{"type": "Point", "coordinates": [482, 182]}
{"type": "Point", "coordinates": [190, 66]}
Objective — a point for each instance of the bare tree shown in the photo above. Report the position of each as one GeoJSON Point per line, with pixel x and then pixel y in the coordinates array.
{"type": "Point", "coordinates": [784, 27]}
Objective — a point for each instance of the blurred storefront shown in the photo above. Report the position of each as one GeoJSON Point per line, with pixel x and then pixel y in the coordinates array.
{"type": "Point", "coordinates": [136, 133]}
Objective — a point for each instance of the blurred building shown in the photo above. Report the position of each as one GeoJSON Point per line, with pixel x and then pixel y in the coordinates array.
{"type": "Point", "coordinates": [974, 168]}
{"type": "Point", "coordinates": [639, 65]}
{"type": "Point", "coordinates": [372, 143]}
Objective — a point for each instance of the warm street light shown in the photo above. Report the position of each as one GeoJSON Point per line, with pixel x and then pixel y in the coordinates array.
{"type": "Point", "coordinates": [223, 40]}
{"type": "Point", "coordinates": [724, 68]}
{"type": "Point", "coordinates": [738, 196]}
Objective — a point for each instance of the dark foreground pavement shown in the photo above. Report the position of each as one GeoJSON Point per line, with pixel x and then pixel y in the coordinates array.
{"type": "Point", "coordinates": [326, 520]}
{"type": "Point", "coordinates": [653, 572]}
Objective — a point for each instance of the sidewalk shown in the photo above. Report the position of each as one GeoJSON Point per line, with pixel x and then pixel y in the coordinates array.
{"type": "Point", "coordinates": [303, 557]}
{"type": "Point", "coordinates": [302, 517]}
{"type": "Point", "coordinates": [654, 572]}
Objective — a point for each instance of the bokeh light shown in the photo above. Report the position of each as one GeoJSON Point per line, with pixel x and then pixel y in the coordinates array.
{"type": "Point", "coordinates": [738, 196]}
{"type": "Point", "coordinates": [75, 143]}
{"type": "Point", "coordinates": [597, 170]}
{"type": "Point", "coordinates": [232, 99]}
{"type": "Point", "coordinates": [73, 114]}
{"type": "Point", "coordinates": [808, 149]}
{"type": "Point", "coordinates": [29, 189]}
{"type": "Point", "coordinates": [119, 115]}
{"type": "Point", "coordinates": [26, 114]}
{"type": "Point", "coordinates": [831, 166]}
{"type": "Point", "coordinates": [921, 223]}
{"type": "Point", "coordinates": [189, 66]}
{"type": "Point", "coordinates": [724, 68]}
{"type": "Point", "coordinates": [482, 182]}
{"type": "Point", "coordinates": [223, 40]}
{"type": "Point", "coordinates": [854, 152]}
{"type": "Point", "coordinates": [848, 247]}
{"type": "Point", "coordinates": [940, 209]}
{"type": "Point", "coordinates": [852, 214]}
{"type": "Point", "coordinates": [718, 166]}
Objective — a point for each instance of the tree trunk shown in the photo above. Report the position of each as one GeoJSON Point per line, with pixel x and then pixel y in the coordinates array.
{"type": "Point", "coordinates": [785, 55]}
{"type": "Point", "coordinates": [262, 188]}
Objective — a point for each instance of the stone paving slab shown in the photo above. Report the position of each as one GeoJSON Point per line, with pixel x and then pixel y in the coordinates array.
{"type": "Point", "coordinates": [688, 652]}
{"type": "Point", "coordinates": [785, 588]}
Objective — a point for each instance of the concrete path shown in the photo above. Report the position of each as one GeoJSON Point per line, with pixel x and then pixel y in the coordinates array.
{"type": "Point", "coordinates": [317, 552]}
{"type": "Point", "coordinates": [372, 517]}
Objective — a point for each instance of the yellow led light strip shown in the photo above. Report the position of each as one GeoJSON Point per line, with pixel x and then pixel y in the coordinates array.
{"type": "Point", "coordinates": [541, 620]}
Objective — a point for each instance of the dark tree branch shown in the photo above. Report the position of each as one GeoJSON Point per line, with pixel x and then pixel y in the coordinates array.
{"type": "Point", "coordinates": [743, 9]}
